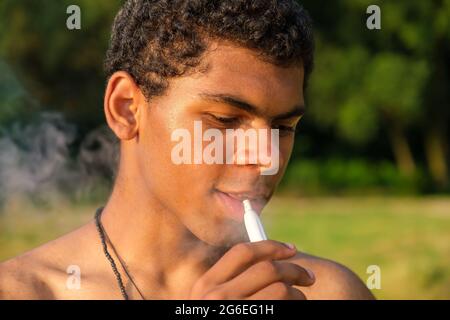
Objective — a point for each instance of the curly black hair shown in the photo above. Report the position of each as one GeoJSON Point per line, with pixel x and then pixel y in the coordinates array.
{"type": "Point", "coordinates": [155, 40]}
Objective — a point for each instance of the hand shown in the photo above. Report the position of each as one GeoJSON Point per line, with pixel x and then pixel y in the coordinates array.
{"type": "Point", "coordinates": [250, 271]}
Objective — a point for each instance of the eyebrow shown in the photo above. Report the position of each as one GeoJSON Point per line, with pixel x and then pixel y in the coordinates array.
{"type": "Point", "coordinates": [298, 110]}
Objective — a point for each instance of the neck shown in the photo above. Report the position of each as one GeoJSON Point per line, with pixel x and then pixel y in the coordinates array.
{"type": "Point", "coordinates": [161, 255]}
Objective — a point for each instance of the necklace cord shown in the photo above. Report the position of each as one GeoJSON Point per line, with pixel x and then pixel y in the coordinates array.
{"type": "Point", "coordinates": [108, 256]}
{"type": "Point", "coordinates": [122, 263]}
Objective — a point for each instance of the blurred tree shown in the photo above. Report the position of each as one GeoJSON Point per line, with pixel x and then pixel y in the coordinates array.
{"type": "Point", "coordinates": [15, 102]}
{"type": "Point", "coordinates": [61, 68]}
{"type": "Point", "coordinates": [389, 80]}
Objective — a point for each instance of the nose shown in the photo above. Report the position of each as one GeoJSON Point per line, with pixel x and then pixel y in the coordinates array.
{"type": "Point", "coordinates": [258, 147]}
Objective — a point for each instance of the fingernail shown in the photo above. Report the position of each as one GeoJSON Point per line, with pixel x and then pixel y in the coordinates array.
{"type": "Point", "coordinates": [311, 274]}
{"type": "Point", "coordinates": [289, 245]}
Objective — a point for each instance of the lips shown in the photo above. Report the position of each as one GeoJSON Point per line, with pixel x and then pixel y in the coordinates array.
{"type": "Point", "coordinates": [232, 202]}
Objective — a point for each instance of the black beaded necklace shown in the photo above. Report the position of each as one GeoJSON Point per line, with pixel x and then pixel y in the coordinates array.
{"type": "Point", "coordinates": [104, 237]}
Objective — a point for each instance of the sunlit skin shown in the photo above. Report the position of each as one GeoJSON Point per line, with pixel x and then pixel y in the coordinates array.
{"type": "Point", "coordinates": [167, 222]}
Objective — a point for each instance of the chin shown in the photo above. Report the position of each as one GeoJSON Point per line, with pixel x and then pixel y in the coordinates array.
{"type": "Point", "coordinates": [226, 235]}
{"type": "Point", "coordinates": [212, 225]}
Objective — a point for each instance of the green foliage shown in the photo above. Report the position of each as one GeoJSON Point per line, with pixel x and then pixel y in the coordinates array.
{"type": "Point", "coordinates": [60, 68]}
{"type": "Point", "coordinates": [357, 120]}
{"type": "Point", "coordinates": [386, 84]}
{"type": "Point", "coordinates": [14, 100]}
{"type": "Point", "coordinates": [395, 85]}
{"type": "Point", "coordinates": [356, 176]}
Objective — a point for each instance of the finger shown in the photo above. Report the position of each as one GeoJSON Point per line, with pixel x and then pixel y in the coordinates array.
{"type": "Point", "coordinates": [243, 255]}
{"type": "Point", "coordinates": [278, 291]}
{"type": "Point", "coordinates": [264, 273]}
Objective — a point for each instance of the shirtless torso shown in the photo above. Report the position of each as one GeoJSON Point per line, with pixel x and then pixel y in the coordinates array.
{"type": "Point", "coordinates": [42, 273]}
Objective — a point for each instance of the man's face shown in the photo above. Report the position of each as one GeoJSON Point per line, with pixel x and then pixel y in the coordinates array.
{"type": "Point", "coordinates": [206, 198]}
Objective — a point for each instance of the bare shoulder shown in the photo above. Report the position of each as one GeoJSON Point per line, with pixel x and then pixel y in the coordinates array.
{"type": "Point", "coordinates": [33, 274]}
{"type": "Point", "coordinates": [334, 281]}
{"type": "Point", "coordinates": [23, 277]}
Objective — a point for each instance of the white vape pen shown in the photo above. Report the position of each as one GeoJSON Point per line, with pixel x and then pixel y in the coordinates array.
{"type": "Point", "coordinates": [253, 224]}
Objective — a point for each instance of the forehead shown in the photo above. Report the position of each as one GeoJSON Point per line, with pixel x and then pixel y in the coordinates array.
{"type": "Point", "coordinates": [238, 71]}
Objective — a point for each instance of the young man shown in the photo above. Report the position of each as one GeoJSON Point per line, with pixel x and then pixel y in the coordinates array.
{"type": "Point", "coordinates": [175, 231]}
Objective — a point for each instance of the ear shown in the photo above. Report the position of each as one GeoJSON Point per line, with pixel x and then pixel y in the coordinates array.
{"type": "Point", "coordinates": [122, 105]}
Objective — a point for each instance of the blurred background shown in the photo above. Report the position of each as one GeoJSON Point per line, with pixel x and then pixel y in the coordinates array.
{"type": "Point", "coordinates": [368, 182]}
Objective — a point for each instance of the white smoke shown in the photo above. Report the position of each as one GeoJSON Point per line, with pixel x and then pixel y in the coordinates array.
{"type": "Point", "coordinates": [39, 155]}
{"type": "Point", "coordinates": [36, 159]}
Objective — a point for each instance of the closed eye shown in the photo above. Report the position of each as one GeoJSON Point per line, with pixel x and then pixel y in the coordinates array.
{"type": "Point", "coordinates": [224, 120]}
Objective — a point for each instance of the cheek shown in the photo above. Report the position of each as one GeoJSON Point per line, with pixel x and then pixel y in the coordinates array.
{"type": "Point", "coordinates": [154, 156]}
{"type": "Point", "coordinates": [177, 185]}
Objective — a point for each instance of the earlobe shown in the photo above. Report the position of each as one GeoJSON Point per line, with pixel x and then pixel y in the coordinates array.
{"type": "Point", "coordinates": [121, 105]}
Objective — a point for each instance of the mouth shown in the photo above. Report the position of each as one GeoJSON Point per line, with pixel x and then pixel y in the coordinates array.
{"type": "Point", "coordinates": [232, 202]}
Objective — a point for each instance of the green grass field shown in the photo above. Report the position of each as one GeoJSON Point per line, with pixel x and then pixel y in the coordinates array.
{"type": "Point", "coordinates": [408, 238]}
